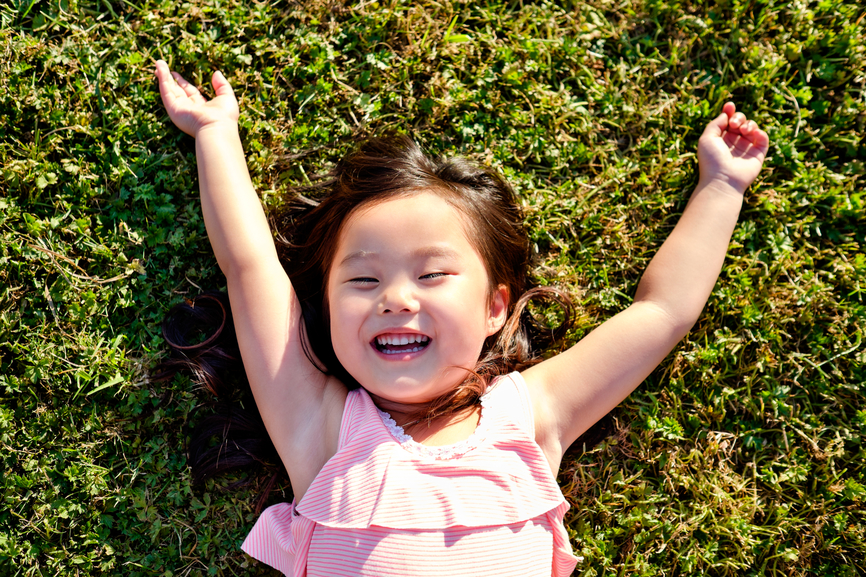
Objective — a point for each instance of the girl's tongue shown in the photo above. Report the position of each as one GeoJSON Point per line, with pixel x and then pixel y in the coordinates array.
{"type": "Point", "coordinates": [401, 343]}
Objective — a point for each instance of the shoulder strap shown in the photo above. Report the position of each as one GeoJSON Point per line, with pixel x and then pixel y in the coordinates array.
{"type": "Point", "coordinates": [347, 422]}
{"type": "Point", "coordinates": [525, 402]}
{"type": "Point", "coordinates": [511, 396]}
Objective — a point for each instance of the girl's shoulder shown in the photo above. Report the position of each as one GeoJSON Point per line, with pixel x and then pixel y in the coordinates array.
{"type": "Point", "coordinates": [318, 441]}
{"type": "Point", "coordinates": [535, 396]}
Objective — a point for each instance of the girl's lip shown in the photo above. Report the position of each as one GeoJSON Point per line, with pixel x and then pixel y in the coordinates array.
{"type": "Point", "coordinates": [399, 356]}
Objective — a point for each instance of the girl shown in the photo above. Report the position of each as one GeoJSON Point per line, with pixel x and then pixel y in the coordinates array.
{"type": "Point", "coordinates": [380, 381]}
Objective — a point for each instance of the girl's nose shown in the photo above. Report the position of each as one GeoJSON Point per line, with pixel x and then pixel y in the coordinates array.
{"type": "Point", "coordinates": [398, 297]}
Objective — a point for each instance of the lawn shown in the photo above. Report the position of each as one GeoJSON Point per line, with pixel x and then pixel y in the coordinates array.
{"type": "Point", "coordinates": [742, 454]}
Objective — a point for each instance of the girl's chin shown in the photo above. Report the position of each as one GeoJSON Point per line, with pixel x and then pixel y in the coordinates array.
{"type": "Point", "coordinates": [412, 389]}
{"type": "Point", "coordinates": [401, 404]}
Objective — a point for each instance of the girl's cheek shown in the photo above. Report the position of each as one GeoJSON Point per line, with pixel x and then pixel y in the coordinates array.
{"type": "Point", "coordinates": [354, 304]}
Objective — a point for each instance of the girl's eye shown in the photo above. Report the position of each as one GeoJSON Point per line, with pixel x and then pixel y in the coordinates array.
{"type": "Point", "coordinates": [363, 280]}
{"type": "Point", "coordinates": [434, 275]}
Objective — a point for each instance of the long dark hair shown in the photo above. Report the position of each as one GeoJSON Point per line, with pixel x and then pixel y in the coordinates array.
{"type": "Point", "coordinates": [379, 170]}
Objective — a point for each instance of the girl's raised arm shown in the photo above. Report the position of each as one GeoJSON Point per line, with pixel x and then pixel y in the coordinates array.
{"type": "Point", "coordinates": [300, 407]}
{"type": "Point", "coordinates": [575, 389]}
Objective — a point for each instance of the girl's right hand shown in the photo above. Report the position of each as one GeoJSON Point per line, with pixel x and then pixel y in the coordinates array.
{"type": "Point", "coordinates": [188, 109]}
{"type": "Point", "coordinates": [732, 150]}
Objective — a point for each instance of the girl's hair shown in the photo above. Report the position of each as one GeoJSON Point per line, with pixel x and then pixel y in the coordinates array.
{"type": "Point", "coordinates": [381, 169]}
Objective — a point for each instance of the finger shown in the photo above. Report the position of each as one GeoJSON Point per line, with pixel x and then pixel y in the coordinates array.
{"type": "Point", "coordinates": [167, 83]}
{"type": "Point", "coordinates": [221, 86]}
{"type": "Point", "coordinates": [760, 140]}
{"type": "Point", "coordinates": [173, 90]}
{"type": "Point", "coordinates": [190, 90]}
{"type": "Point", "coordinates": [737, 120]}
{"type": "Point", "coordinates": [169, 91]}
{"type": "Point", "coordinates": [161, 69]}
{"type": "Point", "coordinates": [748, 127]}
{"type": "Point", "coordinates": [753, 145]}
{"type": "Point", "coordinates": [163, 76]}
{"type": "Point", "coordinates": [729, 108]}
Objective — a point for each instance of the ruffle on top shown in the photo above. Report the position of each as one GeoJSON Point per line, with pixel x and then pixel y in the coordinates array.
{"type": "Point", "coordinates": [281, 538]}
{"type": "Point", "coordinates": [377, 479]}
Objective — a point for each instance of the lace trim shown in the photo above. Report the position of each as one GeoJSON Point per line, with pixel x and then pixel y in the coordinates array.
{"type": "Point", "coordinates": [441, 452]}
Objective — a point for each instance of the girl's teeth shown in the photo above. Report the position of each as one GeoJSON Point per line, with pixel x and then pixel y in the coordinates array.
{"type": "Point", "coordinates": [396, 344]}
{"type": "Point", "coordinates": [401, 339]}
{"type": "Point", "coordinates": [412, 350]}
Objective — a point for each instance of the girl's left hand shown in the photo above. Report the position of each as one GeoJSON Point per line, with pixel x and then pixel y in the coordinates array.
{"type": "Point", "coordinates": [732, 149]}
{"type": "Point", "coordinates": [188, 109]}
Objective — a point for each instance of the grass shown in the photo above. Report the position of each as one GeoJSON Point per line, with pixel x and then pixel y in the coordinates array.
{"type": "Point", "coordinates": [741, 455]}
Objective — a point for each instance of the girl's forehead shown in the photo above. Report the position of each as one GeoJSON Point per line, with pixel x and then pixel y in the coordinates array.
{"type": "Point", "coordinates": [408, 219]}
{"type": "Point", "coordinates": [406, 202]}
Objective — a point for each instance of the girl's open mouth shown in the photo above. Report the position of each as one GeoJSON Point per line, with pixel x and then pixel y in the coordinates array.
{"type": "Point", "coordinates": [395, 344]}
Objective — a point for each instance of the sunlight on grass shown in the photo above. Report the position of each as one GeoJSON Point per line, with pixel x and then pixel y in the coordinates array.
{"type": "Point", "coordinates": [740, 455]}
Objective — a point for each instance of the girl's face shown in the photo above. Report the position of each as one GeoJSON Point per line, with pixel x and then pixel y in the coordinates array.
{"type": "Point", "coordinates": [409, 299]}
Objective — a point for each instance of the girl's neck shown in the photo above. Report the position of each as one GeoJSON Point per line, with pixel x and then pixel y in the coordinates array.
{"type": "Point", "coordinates": [443, 430]}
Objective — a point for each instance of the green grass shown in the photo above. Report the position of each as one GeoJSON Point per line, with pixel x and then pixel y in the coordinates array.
{"type": "Point", "coordinates": [741, 455]}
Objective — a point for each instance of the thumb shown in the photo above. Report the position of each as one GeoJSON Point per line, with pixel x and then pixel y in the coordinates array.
{"type": "Point", "coordinates": [221, 86]}
{"type": "Point", "coordinates": [717, 126]}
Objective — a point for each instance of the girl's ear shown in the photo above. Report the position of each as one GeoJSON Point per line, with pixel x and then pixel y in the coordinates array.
{"type": "Point", "coordinates": [498, 310]}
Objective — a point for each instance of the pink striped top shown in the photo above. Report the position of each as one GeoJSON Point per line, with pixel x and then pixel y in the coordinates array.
{"type": "Point", "coordinates": [385, 505]}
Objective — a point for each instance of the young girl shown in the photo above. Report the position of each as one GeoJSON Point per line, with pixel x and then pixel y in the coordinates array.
{"type": "Point", "coordinates": [381, 382]}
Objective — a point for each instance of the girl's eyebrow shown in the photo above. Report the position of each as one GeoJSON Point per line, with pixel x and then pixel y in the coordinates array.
{"type": "Point", "coordinates": [424, 252]}
{"type": "Point", "coordinates": [358, 255]}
